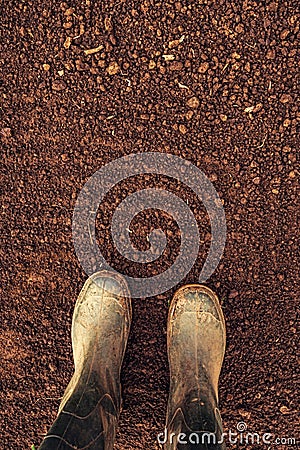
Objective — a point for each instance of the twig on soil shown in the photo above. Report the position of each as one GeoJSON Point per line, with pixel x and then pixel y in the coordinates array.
{"type": "Point", "coordinates": [263, 142]}
{"type": "Point", "coordinates": [225, 67]}
{"type": "Point", "coordinates": [168, 57]}
{"type": "Point", "coordinates": [182, 86]}
{"type": "Point", "coordinates": [75, 104]}
{"type": "Point", "coordinates": [91, 51]}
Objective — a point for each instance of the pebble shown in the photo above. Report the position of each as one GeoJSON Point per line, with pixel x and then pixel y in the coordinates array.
{"type": "Point", "coordinates": [193, 102]}
{"type": "Point", "coordinates": [233, 294]}
{"type": "Point", "coordinates": [203, 67]}
{"type": "Point", "coordinates": [173, 44]}
{"type": "Point", "coordinates": [284, 410]}
{"type": "Point", "coordinates": [286, 98]}
{"type": "Point", "coordinates": [189, 115]}
{"type": "Point", "coordinates": [113, 68]}
{"type": "Point", "coordinates": [176, 65]}
{"type": "Point", "coordinates": [6, 132]}
{"type": "Point", "coordinates": [58, 85]}
{"type": "Point", "coordinates": [182, 129]}
{"type": "Point", "coordinates": [67, 25]}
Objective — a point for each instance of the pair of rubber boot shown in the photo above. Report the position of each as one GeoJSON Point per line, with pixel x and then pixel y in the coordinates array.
{"type": "Point", "coordinates": [89, 411]}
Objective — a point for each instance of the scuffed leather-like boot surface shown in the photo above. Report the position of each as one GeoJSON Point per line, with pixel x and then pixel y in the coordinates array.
{"type": "Point", "coordinates": [87, 421]}
{"type": "Point", "coordinates": [196, 346]}
{"type": "Point", "coordinates": [90, 407]}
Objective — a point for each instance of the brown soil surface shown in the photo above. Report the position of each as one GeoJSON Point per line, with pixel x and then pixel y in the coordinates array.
{"type": "Point", "coordinates": [66, 113]}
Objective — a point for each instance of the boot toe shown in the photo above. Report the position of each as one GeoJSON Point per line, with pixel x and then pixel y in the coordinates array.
{"type": "Point", "coordinates": [109, 282]}
{"type": "Point", "coordinates": [198, 299]}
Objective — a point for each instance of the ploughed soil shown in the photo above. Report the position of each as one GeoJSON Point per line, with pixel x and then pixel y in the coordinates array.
{"type": "Point", "coordinates": [86, 82]}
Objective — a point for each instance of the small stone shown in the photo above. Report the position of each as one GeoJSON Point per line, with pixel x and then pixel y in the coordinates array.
{"type": "Point", "coordinates": [108, 24]}
{"type": "Point", "coordinates": [81, 29]}
{"type": "Point", "coordinates": [175, 43]}
{"type": "Point", "coordinates": [113, 39]}
{"type": "Point", "coordinates": [223, 117]}
{"type": "Point", "coordinates": [193, 102]}
{"type": "Point", "coordinates": [67, 25]}
{"type": "Point", "coordinates": [68, 65]}
{"type": "Point", "coordinates": [113, 68]}
{"type": "Point", "coordinates": [189, 115]}
{"type": "Point", "coordinates": [284, 34]}
{"type": "Point", "coordinates": [257, 107]}
{"type": "Point", "coordinates": [203, 67]}
{"type": "Point", "coordinates": [286, 149]}
{"type": "Point", "coordinates": [67, 42]}
{"type": "Point", "coordinates": [69, 11]}
{"type": "Point", "coordinates": [46, 67]}
{"type": "Point", "coordinates": [293, 19]}
{"type": "Point", "coordinates": [182, 129]}
{"type": "Point", "coordinates": [60, 73]}
{"type": "Point", "coordinates": [243, 413]}
{"type": "Point", "coordinates": [292, 174]}
{"type": "Point", "coordinates": [58, 85]}
{"type": "Point", "coordinates": [239, 28]}
{"type": "Point", "coordinates": [287, 123]}
{"type": "Point", "coordinates": [286, 98]}
{"type": "Point", "coordinates": [236, 55]}
{"type": "Point", "coordinates": [6, 132]}
{"type": "Point", "coordinates": [275, 191]}
{"type": "Point", "coordinates": [233, 294]}
{"type": "Point", "coordinates": [79, 64]}
{"type": "Point", "coordinates": [152, 64]}
{"type": "Point", "coordinates": [176, 65]}
{"type": "Point", "coordinates": [284, 410]}
{"type": "Point", "coordinates": [271, 53]}
{"type": "Point", "coordinates": [35, 278]}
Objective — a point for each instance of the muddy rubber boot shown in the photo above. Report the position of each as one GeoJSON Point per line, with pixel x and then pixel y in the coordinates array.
{"type": "Point", "coordinates": [196, 346]}
{"type": "Point", "coordinates": [88, 413]}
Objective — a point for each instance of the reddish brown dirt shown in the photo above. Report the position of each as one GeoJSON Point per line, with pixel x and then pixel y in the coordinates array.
{"type": "Point", "coordinates": [65, 114]}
